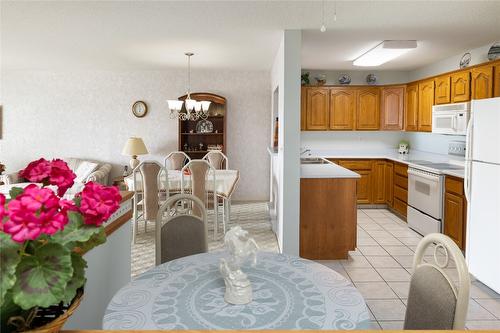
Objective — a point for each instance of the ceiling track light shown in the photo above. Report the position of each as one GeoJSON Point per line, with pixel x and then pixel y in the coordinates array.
{"type": "Point", "coordinates": [384, 52]}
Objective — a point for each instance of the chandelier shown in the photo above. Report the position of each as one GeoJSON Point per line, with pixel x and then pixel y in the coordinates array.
{"type": "Point", "coordinates": [194, 109]}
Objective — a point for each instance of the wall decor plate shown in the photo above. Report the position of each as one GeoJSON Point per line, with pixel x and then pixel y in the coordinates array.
{"type": "Point", "coordinates": [465, 61]}
{"type": "Point", "coordinates": [344, 79]}
{"type": "Point", "coordinates": [494, 52]}
{"type": "Point", "coordinates": [371, 79]}
{"type": "Point", "coordinates": [204, 126]}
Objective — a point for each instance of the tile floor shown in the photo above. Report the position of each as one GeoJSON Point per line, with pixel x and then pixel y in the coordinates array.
{"type": "Point", "coordinates": [381, 269]}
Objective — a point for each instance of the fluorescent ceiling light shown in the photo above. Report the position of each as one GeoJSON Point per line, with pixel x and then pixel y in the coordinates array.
{"type": "Point", "coordinates": [384, 52]}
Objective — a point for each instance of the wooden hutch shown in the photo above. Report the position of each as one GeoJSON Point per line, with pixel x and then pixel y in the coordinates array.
{"type": "Point", "coordinates": [196, 143]}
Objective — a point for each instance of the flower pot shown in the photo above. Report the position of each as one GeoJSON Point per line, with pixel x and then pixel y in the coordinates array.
{"type": "Point", "coordinates": [56, 325]}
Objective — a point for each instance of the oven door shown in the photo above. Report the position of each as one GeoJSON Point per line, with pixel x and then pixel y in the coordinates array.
{"type": "Point", "coordinates": [425, 192]}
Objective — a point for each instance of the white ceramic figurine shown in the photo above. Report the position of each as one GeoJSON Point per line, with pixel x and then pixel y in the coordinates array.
{"type": "Point", "coordinates": [240, 248]}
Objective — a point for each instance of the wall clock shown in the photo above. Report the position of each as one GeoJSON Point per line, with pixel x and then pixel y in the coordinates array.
{"type": "Point", "coordinates": [139, 109]}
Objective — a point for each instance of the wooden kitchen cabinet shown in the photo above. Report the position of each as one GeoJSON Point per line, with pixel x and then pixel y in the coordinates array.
{"type": "Point", "coordinates": [442, 91]}
{"type": "Point", "coordinates": [388, 182]}
{"type": "Point", "coordinates": [460, 87]}
{"type": "Point", "coordinates": [392, 108]}
{"type": "Point", "coordinates": [400, 196]}
{"type": "Point", "coordinates": [378, 186]}
{"type": "Point", "coordinates": [482, 82]}
{"type": "Point", "coordinates": [496, 80]}
{"type": "Point", "coordinates": [455, 212]}
{"type": "Point", "coordinates": [364, 184]}
{"type": "Point", "coordinates": [303, 109]}
{"type": "Point", "coordinates": [317, 108]}
{"type": "Point", "coordinates": [368, 109]}
{"type": "Point", "coordinates": [411, 111]}
{"type": "Point", "coordinates": [342, 108]}
{"type": "Point", "coordinates": [425, 103]}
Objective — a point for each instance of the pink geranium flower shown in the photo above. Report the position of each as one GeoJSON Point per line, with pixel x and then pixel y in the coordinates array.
{"type": "Point", "coordinates": [34, 212]}
{"type": "Point", "coordinates": [3, 212]}
{"type": "Point", "coordinates": [61, 176]}
{"type": "Point", "coordinates": [98, 203]}
{"type": "Point", "coordinates": [37, 171]}
{"type": "Point", "coordinates": [55, 173]}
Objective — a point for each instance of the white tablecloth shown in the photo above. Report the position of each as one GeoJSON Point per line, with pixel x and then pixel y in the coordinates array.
{"type": "Point", "coordinates": [225, 181]}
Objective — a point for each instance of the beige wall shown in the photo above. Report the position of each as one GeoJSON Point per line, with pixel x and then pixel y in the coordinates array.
{"type": "Point", "coordinates": [87, 114]}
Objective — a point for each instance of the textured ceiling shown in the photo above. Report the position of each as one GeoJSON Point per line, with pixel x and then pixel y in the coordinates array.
{"type": "Point", "coordinates": [233, 34]}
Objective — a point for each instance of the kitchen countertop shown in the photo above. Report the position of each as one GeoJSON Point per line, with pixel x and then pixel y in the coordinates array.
{"type": "Point", "coordinates": [327, 170]}
{"type": "Point", "coordinates": [392, 154]}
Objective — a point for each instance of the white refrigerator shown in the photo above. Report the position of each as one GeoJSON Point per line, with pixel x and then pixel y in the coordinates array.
{"type": "Point", "coordinates": [482, 191]}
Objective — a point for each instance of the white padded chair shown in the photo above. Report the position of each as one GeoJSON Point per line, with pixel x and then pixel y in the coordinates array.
{"type": "Point", "coordinates": [149, 194]}
{"type": "Point", "coordinates": [180, 231]}
{"type": "Point", "coordinates": [176, 160]}
{"type": "Point", "coordinates": [201, 172]}
{"type": "Point", "coordinates": [434, 302]}
{"type": "Point", "coordinates": [217, 160]}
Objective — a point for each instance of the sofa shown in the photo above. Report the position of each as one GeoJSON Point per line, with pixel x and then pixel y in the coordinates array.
{"type": "Point", "coordinates": [85, 170]}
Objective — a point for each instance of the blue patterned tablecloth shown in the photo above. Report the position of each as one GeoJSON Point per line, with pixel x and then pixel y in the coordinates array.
{"type": "Point", "coordinates": [188, 293]}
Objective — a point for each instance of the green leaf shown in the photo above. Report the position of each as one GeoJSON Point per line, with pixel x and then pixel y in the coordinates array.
{"type": "Point", "coordinates": [9, 259]}
{"type": "Point", "coordinates": [97, 239]}
{"type": "Point", "coordinates": [7, 310]}
{"type": "Point", "coordinates": [78, 279]}
{"type": "Point", "coordinates": [15, 191]}
{"type": "Point", "coordinates": [43, 276]}
{"type": "Point", "coordinates": [75, 231]}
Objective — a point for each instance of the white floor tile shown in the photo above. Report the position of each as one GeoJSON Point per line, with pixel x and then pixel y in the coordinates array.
{"type": "Point", "coordinates": [392, 325]}
{"type": "Point", "coordinates": [375, 290]}
{"type": "Point", "coordinates": [374, 250]}
{"type": "Point", "coordinates": [398, 250]}
{"type": "Point", "coordinates": [479, 290]}
{"type": "Point", "coordinates": [394, 274]}
{"type": "Point", "coordinates": [389, 241]}
{"type": "Point", "coordinates": [400, 288]}
{"type": "Point", "coordinates": [483, 325]}
{"type": "Point", "coordinates": [410, 240]}
{"type": "Point", "coordinates": [366, 241]}
{"type": "Point", "coordinates": [363, 275]}
{"type": "Point", "coordinates": [385, 310]}
{"type": "Point", "coordinates": [477, 312]}
{"type": "Point", "coordinates": [383, 262]}
{"type": "Point", "coordinates": [492, 305]}
{"type": "Point", "coordinates": [356, 262]}
{"type": "Point", "coordinates": [372, 226]}
{"type": "Point", "coordinates": [404, 261]}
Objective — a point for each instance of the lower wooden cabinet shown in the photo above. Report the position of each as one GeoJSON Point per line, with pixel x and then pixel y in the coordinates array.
{"type": "Point", "coordinates": [389, 182]}
{"type": "Point", "coordinates": [455, 212]}
{"type": "Point", "coordinates": [378, 187]}
{"type": "Point", "coordinates": [400, 188]}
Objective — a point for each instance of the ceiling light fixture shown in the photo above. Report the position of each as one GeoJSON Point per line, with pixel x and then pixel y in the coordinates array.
{"type": "Point", "coordinates": [194, 109]}
{"type": "Point", "coordinates": [384, 52]}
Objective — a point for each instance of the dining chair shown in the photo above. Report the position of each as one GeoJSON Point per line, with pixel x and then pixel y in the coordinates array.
{"type": "Point", "coordinates": [434, 301]}
{"type": "Point", "coordinates": [201, 173]}
{"type": "Point", "coordinates": [176, 160]}
{"type": "Point", "coordinates": [217, 160]}
{"type": "Point", "coordinates": [148, 196]}
{"type": "Point", "coordinates": [179, 231]}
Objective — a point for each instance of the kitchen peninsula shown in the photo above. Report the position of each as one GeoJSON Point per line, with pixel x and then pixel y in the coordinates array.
{"type": "Point", "coordinates": [328, 212]}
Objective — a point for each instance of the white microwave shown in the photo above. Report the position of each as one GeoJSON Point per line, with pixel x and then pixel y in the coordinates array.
{"type": "Point", "coordinates": [450, 118]}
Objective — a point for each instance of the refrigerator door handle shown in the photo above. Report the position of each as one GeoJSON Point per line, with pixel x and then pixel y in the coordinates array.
{"type": "Point", "coordinates": [468, 158]}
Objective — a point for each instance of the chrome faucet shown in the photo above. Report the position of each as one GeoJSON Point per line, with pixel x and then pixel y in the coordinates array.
{"type": "Point", "coordinates": [305, 151]}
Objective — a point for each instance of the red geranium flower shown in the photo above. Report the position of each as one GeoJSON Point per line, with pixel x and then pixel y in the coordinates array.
{"type": "Point", "coordinates": [55, 173]}
{"type": "Point", "coordinates": [98, 202]}
{"type": "Point", "coordinates": [37, 171]}
{"type": "Point", "coordinates": [3, 212]}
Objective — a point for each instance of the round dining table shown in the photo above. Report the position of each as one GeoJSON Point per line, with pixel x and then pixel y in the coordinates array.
{"type": "Point", "coordinates": [188, 293]}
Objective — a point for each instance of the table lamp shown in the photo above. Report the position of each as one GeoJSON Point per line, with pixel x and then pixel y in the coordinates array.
{"type": "Point", "coordinates": [133, 147]}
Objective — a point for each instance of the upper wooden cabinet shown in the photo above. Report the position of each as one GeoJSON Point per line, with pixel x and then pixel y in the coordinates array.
{"type": "Point", "coordinates": [368, 109]}
{"type": "Point", "coordinates": [411, 111]}
{"type": "Point", "coordinates": [317, 108]}
{"type": "Point", "coordinates": [342, 108]}
{"type": "Point", "coordinates": [425, 103]}
{"type": "Point", "coordinates": [496, 80]}
{"type": "Point", "coordinates": [460, 87]}
{"type": "Point", "coordinates": [442, 91]}
{"type": "Point", "coordinates": [303, 111]}
{"type": "Point", "coordinates": [392, 108]}
{"type": "Point", "coordinates": [482, 82]}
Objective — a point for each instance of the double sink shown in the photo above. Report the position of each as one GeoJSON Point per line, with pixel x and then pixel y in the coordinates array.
{"type": "Point", "coordinates": [313, 160]}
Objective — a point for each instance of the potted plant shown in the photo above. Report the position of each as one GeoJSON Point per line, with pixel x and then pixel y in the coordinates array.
{"type": "Point", "coordinates": [43, 237]}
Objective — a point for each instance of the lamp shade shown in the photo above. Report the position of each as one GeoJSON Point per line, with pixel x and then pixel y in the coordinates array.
{"type": "Point", "coordinates": [134, 146]}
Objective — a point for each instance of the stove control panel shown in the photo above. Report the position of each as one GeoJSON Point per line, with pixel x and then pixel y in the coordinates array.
{"type": "Point", "coordinates": [456, 148]}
